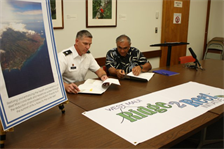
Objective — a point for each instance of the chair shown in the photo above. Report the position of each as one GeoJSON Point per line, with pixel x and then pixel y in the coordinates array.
{"type": "Point", "coordinates": [186, 59]}
{"type": "Point", "coordinates": [215, 48]}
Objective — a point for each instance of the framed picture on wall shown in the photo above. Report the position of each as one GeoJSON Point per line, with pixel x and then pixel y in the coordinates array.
{"type": "Point", "coordinates": [57, 14]}
{"type": "Point", "coordinates": [101, 13]}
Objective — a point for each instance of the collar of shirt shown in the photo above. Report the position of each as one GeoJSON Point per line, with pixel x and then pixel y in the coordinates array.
{"type": "Point", "coordinates": [75, 54]}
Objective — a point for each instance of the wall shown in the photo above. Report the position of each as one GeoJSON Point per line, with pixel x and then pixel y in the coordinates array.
{"type": "Point", "coordinates": [198, 10]}
{"type": "Point", "coordinates": [216, 21]}
{"type": "Point", "coordinates": [196, 28]}
{"type": "Point", "coordinates": [136, 18]}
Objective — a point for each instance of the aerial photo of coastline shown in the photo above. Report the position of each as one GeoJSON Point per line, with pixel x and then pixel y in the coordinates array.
{"type": "Point", "coordinates": [24, 56]}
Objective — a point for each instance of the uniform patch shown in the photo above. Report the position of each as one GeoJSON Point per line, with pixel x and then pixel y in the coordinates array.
{"type": "Point", "coordinates": [67, 52]}
{"type": "Point", "coordinates": [73, 66]}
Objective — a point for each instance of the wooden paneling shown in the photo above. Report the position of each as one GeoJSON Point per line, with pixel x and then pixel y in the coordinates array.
{"type": "Point", "coordinates": [206, 27]}
{"type": "Point", "coordinates": [149, 54]}
{"type": "Point", "coordinates": [174, 32]}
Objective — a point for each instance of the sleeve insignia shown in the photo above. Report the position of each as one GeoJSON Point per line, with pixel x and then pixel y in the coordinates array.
{"type": "Point", "coordinates": [67, 52]}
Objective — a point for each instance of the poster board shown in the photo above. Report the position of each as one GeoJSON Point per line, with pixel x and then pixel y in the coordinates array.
{"type": "Point", "coordinates": [30, 79]}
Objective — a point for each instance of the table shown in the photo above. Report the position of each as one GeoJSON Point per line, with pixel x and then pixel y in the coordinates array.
{"type": "Point", "coordinates": [132, 89]}
{"type": "Point", "coordinates": [52, 129]}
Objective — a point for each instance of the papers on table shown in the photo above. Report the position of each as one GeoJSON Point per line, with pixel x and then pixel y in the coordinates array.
{"type": "Point", "coordinates": [91, 86]}
{"type": "Point", "coordinates": [145, 76]}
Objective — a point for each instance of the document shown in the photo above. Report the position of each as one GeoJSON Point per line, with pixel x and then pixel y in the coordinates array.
{"type": "Point", "coordinates": [91, 86]}
{"type": "Point", "coordinates": [165, 72]}
{"type": "Point", "coordinates": [144, 76]}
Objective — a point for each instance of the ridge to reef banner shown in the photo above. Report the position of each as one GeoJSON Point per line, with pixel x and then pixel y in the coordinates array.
{"type": "Point", "coordinates": [30, 79]}
{"type": "Point", "coordinates": [142, 118]}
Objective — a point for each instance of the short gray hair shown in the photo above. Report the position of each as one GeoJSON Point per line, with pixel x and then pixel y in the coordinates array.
{"type": "Point", "coordinates": [82, 33]}
{"type": "Point", "coordinates": [122, 37]}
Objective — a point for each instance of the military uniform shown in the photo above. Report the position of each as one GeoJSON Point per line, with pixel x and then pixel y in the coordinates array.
{"type": "Point", "coordinates": [74, 67]}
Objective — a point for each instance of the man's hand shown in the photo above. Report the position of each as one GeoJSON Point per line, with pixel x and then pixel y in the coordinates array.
{"type": "Point", "coordinates": [71, 88]}
{"type": "Point", "coordinates": [136, 70]}
{"type": "Point", "coordinates": [120, 73]}
{"type": "Point", "coordinates": [104, 77]}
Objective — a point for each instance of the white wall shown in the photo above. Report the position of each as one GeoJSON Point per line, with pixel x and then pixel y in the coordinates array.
{"type": "Point", "coordinates": [196, 26]}
{"type": "Point", "coordinates": [136, 18]}
{"type": "Point", "coordinates": [197, 20]}
{"type": "Point", "coordinates": [216, 21]}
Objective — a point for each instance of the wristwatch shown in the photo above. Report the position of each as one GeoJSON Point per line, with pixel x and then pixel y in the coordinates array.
{"type": "Point", "coordinates": [141, 66]}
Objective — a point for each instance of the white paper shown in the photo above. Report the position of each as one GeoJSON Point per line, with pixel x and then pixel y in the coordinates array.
{"type": "Point", "coordinates": [143, 75]}
{"type": "Point", "coordinates": [92, 86]}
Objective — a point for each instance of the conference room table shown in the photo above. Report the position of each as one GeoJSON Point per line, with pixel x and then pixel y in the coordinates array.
{"type": "Point", "coordinates": [52, 129]}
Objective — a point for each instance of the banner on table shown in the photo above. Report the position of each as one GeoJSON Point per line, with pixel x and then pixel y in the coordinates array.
{"type": "Point", "coordinates": [142, 118]}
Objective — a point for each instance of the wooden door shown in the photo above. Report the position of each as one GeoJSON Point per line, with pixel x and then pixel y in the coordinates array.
{"type": "Point", "coordinates": [174, 31]}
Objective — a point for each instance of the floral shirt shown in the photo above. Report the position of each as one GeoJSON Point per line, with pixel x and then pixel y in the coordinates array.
{"type": "Point", "coordinates": [133, 58]}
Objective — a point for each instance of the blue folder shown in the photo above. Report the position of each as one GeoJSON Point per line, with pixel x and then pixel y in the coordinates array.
{"type": "Point", "coordinates": [165, 72]}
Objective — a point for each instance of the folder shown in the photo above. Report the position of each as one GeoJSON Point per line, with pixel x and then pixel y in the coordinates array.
{"type": "Point", "coordinates": [165, 72]}
{"type": "Point", "coordinates": [92, 86]}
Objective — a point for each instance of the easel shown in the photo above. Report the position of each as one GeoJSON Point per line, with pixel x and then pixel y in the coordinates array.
{"type": "Point", "coordinates": [3, 133]}
{"type": "Point", "coordinates": [62, 107]}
